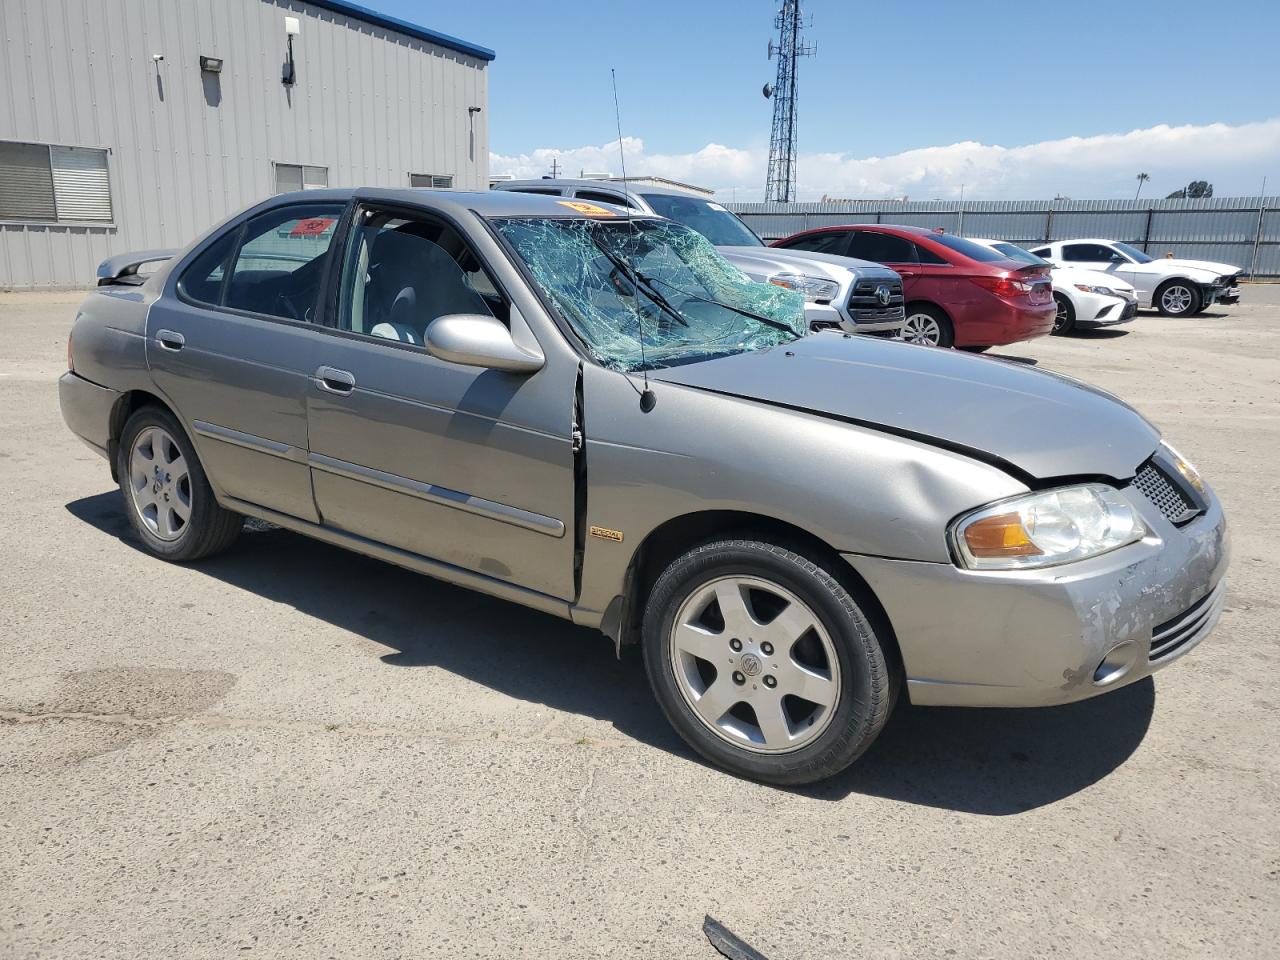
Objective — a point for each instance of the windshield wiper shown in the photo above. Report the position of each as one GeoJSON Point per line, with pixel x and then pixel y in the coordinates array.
{"type": "Point", "coordinates": [642, 282]}
{"type": "Point", "coordinates": [777, 324]}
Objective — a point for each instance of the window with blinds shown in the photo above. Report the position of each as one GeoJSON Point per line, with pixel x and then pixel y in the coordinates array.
{"type": "Point", "coordinates": [52, 183]}
{"type": "Point", "coordinates": [432, 181]}
{"type": "Point", "coordinates": [298, 176]}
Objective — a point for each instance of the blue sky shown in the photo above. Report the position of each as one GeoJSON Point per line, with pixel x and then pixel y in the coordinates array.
{"type": "Point", "coordinates": [889, 78]}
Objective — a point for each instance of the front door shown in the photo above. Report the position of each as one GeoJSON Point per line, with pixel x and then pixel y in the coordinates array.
{"type": "Point", "coordinates": [469, 466]}
{"type": "Point", "coordinates": [234, 352]}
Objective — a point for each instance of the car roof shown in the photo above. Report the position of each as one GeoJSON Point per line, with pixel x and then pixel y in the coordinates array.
{"type": "Point", "coordinates": [616, 186]}
{"type": "Point", "coordinates": [489, 203]}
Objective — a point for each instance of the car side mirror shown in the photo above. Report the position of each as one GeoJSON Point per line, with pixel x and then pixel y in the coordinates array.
{"type": "Point", "coordinates": [476, 340]}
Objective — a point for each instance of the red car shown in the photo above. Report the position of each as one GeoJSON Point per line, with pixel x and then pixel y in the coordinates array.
{"type": "Point", "coordinates": [958, 293]}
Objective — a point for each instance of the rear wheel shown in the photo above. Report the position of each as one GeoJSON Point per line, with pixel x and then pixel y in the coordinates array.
{"type": "Point", "coordinates": [928, 325]}
{"type": "Point", "coordinates": [764, 663]}
{"type": "Point", "coordinates": [1065, 321]}
{"type": "Point", "coordinates": [166, 494]}
{"type": "Point", "coordinates": [1178, 298]}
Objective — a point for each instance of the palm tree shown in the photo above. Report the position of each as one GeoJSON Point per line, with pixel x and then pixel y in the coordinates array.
{"type": "Point", "coordinates": [1142, 178]}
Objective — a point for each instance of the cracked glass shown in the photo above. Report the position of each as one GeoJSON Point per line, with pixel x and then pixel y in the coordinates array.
{"type": "Point", "coordinates": [643, 294]}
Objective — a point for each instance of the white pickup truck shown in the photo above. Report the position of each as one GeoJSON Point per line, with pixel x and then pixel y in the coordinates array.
{"type": "Point", "coordinates": [855, 296]}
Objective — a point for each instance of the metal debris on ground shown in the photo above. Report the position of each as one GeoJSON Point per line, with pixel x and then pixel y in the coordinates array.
{"type": "Point", "coordinates": [728, 944]}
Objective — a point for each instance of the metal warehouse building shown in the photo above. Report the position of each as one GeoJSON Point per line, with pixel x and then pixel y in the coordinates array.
{"type": "Point", "coordinates": [135, 124]}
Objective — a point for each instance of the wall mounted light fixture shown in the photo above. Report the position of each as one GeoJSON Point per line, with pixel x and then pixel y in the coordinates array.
{"type": "Point", "coordinates": [211, 64]}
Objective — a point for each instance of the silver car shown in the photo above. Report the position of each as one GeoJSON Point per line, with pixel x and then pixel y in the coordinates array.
{"type": "Point", "coordinates": [594, 415]}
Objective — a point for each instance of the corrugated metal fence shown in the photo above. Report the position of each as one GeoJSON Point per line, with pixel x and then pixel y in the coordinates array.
{"type": "Point", "coordinates": [1244, 231]}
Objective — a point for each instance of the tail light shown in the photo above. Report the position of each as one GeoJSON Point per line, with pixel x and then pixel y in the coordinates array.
{"type": "Point", "coordinates": [1003, 286]}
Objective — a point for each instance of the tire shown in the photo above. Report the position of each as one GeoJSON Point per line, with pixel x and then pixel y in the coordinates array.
{"type": "Point", "coordinates": [1177, 298]}
{"type": "Point", "coordinates": [826, 648]}
{"type": "Point", "coordinates": [1065, 321]}
{"type": "Point", "coordinates": [160, 479]}
{"type": "Point", "coordinates": [926, 324]}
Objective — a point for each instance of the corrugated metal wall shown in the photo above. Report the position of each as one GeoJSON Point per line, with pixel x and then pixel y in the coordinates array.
{"type": "Point", "coordinates": [1226, 229]}
{"type": "Point", "coordinates": [188, 148]}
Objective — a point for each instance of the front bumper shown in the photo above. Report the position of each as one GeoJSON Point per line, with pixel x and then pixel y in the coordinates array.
{"type": "Point", "coordinates": [829, 316]}
{"type": "Point", "coordinates": [1104, 311]}
{"type": "Point", "coordinates": [1038, 638]}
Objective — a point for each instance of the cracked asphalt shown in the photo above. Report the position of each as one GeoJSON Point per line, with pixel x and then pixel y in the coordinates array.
{"type": "Point", "coordinates": [294, 751]}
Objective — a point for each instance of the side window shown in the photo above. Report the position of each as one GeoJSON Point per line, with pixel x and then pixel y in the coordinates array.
{"type": "Point", "coordinates": [1090, 253]}
{"type": "Point", "coordinates": [837, 243]}
{"type": "Point", "coordinates": [273, 265]}
{"type": "Point", "coordinates": [1043, 252]}
{"type": "Point", "coordinates": [401, 273]}
{"type": "Point", "coordinates": [881, 247]}
{"type": "Point", "coordinates": [545, 191]}
{"type": "Point", "coordinates": [925, 255]}
{"type": "Point", "coordinates": [595, 196]}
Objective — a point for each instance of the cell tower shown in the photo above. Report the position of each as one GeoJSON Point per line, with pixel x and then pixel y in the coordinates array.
{"type": "Point", "coordinates": [780, 184]}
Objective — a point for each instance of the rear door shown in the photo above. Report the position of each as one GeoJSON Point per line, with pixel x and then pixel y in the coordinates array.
{"type": "Point", "coordinates": [898, 254]}
{"type": "Point", "coordinates": [232, 345]}
{"type": "Point", "coordinates": [461, 464]}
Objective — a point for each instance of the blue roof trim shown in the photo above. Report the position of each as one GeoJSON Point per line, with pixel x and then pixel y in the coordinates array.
{"type": "Point", "coordinates": [403, 26]}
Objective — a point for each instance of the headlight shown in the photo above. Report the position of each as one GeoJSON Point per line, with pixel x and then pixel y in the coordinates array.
{"type": "Point", "coordinates": [1186, 468]}
{"type": "Point", "coordinates": [814, 290]}
{"type": "Point", "coordinates": [1045, 529]}
{"type": "Point", "coordinates": [1105, 291]}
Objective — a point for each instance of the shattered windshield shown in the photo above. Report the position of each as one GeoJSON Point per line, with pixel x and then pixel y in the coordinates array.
{"type": "Point", "coordinates": [649, 293]}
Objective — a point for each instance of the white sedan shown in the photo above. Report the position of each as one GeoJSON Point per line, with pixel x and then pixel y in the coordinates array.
{"type": "Point", "coordinates": [1085, 298]}
{"type": "Point", "coordinates": [1177, 288]}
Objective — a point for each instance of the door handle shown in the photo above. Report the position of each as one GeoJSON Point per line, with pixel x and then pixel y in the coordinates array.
{"type": "Point", "coordinates": [170, 340]}
{"type": "Point", "coordinates": [906, 273]}
{"type": "Point", "coordinates": [333, 380]}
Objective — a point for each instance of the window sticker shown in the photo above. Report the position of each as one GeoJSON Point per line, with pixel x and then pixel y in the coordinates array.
{"type": "Point", "coordinates": [588, 208]}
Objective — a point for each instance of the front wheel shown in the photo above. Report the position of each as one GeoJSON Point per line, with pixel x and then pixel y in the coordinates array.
{"type": "Point", "coordinates": [170, 504]}
{"type": "Point", "coordinates": [1177, 298]}
{"type": "Point", "coordinates": [764, 663]}
{"type": "Point", "coordinates": [927, 325]}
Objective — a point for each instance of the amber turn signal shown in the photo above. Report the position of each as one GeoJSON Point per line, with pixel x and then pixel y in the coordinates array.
{"type": "Point", "coordinates": [1000, 536]}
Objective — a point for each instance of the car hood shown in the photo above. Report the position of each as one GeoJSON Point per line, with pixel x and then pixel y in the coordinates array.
{"type": "Point", "coordinates": [1031, 422]}
{"type": "Point", "coordinates": [764, 262]}
{"type": "Point", "coordinates": [1165, 265]}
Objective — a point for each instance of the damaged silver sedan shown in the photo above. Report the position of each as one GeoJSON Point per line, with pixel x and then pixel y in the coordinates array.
{"type": "Point", "coordinates": [595, 415]}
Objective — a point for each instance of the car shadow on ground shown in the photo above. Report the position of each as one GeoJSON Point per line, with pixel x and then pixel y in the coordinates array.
{"type": "Point", "coordinates": [992, 762]}
{"type": "Point", "coordinates": [1101, 333]}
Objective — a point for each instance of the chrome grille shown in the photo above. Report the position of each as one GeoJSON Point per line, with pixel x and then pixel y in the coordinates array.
{"type": "Point", "coordinates": [1190, 625]}
{"type": "Point", "coordinates": [1166, 494]}
{"type": "Point", "coordinates": [864, 295]}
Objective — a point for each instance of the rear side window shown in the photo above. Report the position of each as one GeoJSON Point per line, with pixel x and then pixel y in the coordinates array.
{"type": "Point", "coordinates": [273, 265]}
{"type": "Point", "coordinates": [881, 247]}
{"type": "Point", "coordinates": [837, 243]}
{"type": "Point", "coordinates": [1043, 252]}
{"type": "Point", "coordinates": [925, 255]}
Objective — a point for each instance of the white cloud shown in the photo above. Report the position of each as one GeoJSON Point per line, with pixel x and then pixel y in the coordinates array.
{"type": "Point", "coordinates": [1233, 158]}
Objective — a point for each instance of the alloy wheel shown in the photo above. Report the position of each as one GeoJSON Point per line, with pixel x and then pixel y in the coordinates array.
{"type": "Point", "coordinates": [755, 664]}
{"type": "Point", "coordinates": [1060, 319]}
{"type": "Point", "coordinates": [921, 328]}
{"type": "Point", "coordinates": [1176, 299]}
{"type": "Point", "coordinates": [160, 484]}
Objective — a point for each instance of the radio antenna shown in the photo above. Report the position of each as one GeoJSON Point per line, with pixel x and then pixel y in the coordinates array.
{"type": "Point", "coordinates": [647, 398]}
